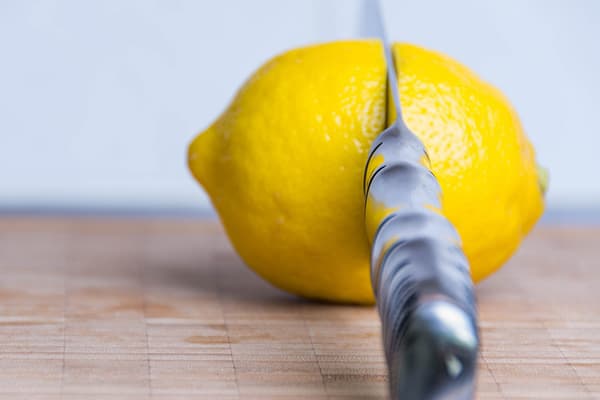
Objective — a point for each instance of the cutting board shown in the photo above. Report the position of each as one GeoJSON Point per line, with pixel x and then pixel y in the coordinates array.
{"type": "Point", "coordinates": [163, 308]}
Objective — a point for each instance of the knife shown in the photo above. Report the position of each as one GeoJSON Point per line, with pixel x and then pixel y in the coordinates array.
{"type": "Point", "coordinates": [419, 273]}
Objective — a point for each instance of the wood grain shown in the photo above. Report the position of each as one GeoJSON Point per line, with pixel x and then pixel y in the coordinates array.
{"type": "Point", "coordinates": [164, 309]}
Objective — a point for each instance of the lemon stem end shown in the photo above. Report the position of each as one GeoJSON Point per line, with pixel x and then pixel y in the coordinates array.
{"type": "Point", "coordinates": [543, 178]}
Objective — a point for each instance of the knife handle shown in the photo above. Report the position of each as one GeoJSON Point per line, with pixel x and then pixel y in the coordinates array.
{"type": "Point", "coordinates": [419, 275]}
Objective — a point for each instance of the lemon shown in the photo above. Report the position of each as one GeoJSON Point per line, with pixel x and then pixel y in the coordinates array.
{"type": "Point", "coordinates": [283, 164]}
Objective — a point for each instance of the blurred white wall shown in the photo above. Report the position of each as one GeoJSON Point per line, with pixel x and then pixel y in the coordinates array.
{"type": "Point", "coordinates": [98, 99]}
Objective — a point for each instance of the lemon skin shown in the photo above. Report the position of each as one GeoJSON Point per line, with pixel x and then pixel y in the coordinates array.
{"type": "Point", "coordinates": [283, 164]}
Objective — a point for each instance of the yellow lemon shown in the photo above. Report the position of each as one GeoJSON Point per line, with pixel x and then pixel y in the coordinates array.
{"type": "Point", "coordinates": [283, 165]}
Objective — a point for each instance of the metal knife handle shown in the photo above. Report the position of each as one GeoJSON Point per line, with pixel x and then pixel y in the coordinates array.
{"type": "Point", "coordinates": [419, 274]}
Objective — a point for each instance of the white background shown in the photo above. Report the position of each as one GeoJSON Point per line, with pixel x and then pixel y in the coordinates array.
{"type": "Point", "coordinates": [99, 99]}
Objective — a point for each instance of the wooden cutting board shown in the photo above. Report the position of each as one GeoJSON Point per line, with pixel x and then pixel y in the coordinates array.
{"type": "Point", "coordinates": [164, 309]}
